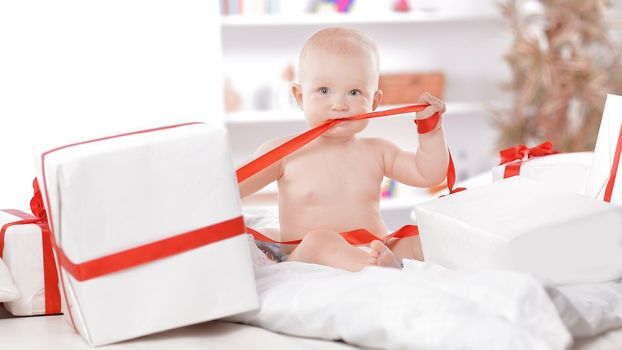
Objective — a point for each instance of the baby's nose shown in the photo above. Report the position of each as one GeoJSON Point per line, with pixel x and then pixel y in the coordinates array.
{"type": "Point", "coordinates": [339, 105]}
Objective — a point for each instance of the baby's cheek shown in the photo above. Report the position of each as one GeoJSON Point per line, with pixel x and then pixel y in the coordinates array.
{"type": "Point", "coordinates": [316, 116]}
{"type": "Point", "coordinates": [314, 119]}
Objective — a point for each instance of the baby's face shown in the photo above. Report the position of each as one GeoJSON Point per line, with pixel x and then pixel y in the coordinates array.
{"type": "Point", "coordinates": [338, 85]}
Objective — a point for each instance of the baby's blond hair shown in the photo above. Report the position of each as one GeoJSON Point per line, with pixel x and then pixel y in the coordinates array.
{"type": "Point", "coordinates": [341, 41]}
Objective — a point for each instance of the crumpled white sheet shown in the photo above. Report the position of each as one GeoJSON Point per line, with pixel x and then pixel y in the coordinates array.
{"type": "Point", "coordinates": [425, 306]}
{"type": "Point", "coordinates": [586, 309]}
{"type": "Point", "coordinates": [589, 309]}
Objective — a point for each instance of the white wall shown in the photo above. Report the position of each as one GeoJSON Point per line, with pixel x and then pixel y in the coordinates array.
{"type": "Point", "coordinates": [74, 69]}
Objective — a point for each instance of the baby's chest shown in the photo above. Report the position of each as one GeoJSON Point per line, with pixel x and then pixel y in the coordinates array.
{"type": "Point", "coordinates": [329, 175]}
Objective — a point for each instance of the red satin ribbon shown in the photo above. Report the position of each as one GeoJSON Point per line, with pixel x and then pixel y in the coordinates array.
{"type": "Point", "coordinates": [358, 236]}
{"type": "Point", "coordinates": [50, 277]}
{"type": "Point", "coordinates": [427, 125]}
{"type": "Point", "coordinates": [297, 142]}
{"type": "Point", "coordinates": [152, 251]}
{"type": "Point", "coordinates": [515, 156]}
{"type": "Point", "coordinates": [355, 237]}
{"type": "Point", "coordinates": [614, 169]}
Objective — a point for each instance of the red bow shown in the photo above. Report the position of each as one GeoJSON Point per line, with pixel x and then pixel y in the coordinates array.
{"type": "Point", "coordinates": [520, 154]}
{"type": "Point", "coordinates": [36, 203]}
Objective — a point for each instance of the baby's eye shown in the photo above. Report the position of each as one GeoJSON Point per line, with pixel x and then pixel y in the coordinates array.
{"type": "Point", "coordinates": [354, 92]}
{"type": "Point", "coordinates": [323, 90]}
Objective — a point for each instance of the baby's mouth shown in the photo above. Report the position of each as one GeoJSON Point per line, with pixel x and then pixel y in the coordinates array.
{"type": "Point", "coordinates": [343, 124]}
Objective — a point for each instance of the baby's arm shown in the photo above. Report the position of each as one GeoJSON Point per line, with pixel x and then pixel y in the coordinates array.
{"type": "Point", "coordinates": [428, 165]}
{"type": "Point", "coordinates": [267, 175]}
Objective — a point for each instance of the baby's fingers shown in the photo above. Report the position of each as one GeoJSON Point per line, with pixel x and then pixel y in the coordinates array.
{"type": "Point", "coordinates": [428, 111]}
{"type": "Point", "coordinates": [428, 98]}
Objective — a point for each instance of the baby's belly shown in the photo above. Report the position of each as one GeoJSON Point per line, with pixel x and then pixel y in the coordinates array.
{"type": "Point", "coordinates": [297, 220]}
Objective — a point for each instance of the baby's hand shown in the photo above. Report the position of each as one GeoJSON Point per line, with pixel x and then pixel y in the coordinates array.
{"type": "Point", "coordinates": [436, 105]}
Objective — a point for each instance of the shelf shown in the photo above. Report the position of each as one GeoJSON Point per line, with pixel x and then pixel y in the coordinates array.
{"type": "Point", "coordinates": [294, 115]}
{"type": "Point", "coordinates": [613, 18]}
{"type": "Point", "coordinates": [354, 18]}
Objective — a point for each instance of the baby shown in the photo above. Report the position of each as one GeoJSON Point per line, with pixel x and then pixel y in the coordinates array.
{"type": "Point", "coordinates": [332, 184]}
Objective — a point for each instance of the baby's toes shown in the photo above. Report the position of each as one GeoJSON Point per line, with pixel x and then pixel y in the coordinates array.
{"type": "Point", "coordinates": [373, 260]}
{"type": "Point", "coordinates": [376, 247]}
{"type": "Point", "coordinates": [374, 254]}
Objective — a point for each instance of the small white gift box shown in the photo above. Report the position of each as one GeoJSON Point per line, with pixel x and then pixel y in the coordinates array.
{"type": "Point", "coordinates": [148, 231]}
{"type": "Point", "coordinates": [8, 290]}
{"type": "Point", "coordinates": [27, 253]}
{"type": "Point", "coordinates": [521, 225]}
{"type": "Point", "coordinates": [565, 171]}
{"type": "Point", "coordinates": [605, 171]}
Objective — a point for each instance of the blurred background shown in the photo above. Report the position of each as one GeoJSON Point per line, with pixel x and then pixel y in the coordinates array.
{"type": "Point", "coordinates": [511, 72]}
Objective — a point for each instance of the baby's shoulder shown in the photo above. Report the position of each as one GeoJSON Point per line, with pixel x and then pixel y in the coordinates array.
{"type": "Point", "coordinates": [271, 144]}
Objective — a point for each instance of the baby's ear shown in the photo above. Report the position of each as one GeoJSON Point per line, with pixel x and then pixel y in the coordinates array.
{"type": "Point", "coordinates": [297, 92]}
{"type": "Point", "coordinates": [377, 99]}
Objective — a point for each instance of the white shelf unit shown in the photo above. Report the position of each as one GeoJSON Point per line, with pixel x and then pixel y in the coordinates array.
{"type": "Point", "coordinates": [613, 18]}
{"type": "Point", "coordinates": [468, 47]}
{"type": "Point", "coordinates": [348, 19]}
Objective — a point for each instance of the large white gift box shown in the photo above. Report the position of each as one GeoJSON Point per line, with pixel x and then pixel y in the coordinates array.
{"type": "Point", "coordinates": [28, 255]}
{"type": "Point", "coordinates": [602, 181]}
{"type": "Point", "coordinates": [148, 231]}
{"type": "Point", "coordinates": [566, 171]}
{"type": "Point", "coordinates": [518, 224]}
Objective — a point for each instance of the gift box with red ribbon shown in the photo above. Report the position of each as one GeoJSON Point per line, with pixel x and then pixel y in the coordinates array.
{"type": "Point", "coordinates": [147, 230]}
{"type": "Point", "coordinates": [565, 171]}
{"type": "Point", "coordinates": [521, 225]}
{"type": "Point", "coordinates": [26, 249]}
{"type": "Point", "coordinates": [604, 178]}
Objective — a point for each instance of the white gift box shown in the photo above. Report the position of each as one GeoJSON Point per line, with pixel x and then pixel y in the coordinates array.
{"type": "Point", "coordinates": [8, 290]}
{"type": "Point", "coordinates": [518, 224]}
{"type": "Point", "coordinates": [604, 152]}
{"type": "Point", "coordinates": [23, 256]}
{"type": "Point", "coordinates": [565, 171]}
{"type": "Point", "coordinates": [120, 195]}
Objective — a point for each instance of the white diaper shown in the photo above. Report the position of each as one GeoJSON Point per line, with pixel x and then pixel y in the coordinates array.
{"type": "Point", "coordinates": [267, 222]}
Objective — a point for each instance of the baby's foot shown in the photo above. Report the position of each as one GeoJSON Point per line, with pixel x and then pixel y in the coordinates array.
{"type": "Point", "coordinates": [381, 255]}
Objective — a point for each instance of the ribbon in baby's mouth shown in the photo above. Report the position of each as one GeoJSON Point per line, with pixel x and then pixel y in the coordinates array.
{"type": "Point", "coordinates": [297, 142]}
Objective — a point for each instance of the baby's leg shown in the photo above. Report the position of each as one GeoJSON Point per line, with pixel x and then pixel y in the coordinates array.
{"type": "Point", "coordinates": [330, 248]}
{"type": "Point", "coordinates": [409, 248]}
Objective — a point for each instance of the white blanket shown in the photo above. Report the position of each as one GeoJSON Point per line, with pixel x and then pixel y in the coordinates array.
{"type": "Point", "coordinates": [589, 309]}
{"type": "Point", "coordinates": [425, 306]}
